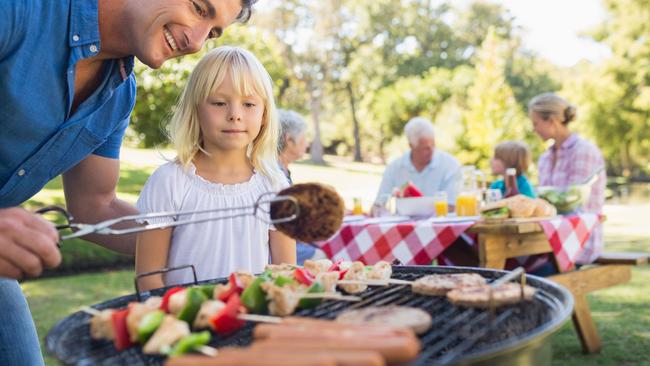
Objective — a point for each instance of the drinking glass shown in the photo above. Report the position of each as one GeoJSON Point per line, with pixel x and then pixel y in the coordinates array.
{"type": "Point", "coordinates": [441, 204]}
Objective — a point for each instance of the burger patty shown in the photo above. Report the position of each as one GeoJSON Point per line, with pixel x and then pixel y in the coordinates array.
{"type": "Point", "coordinates": [395, 316]}
{"type": "Point", "coordinates": [479, 296]}
{"type": "Point", "coordinates": [440, 284]}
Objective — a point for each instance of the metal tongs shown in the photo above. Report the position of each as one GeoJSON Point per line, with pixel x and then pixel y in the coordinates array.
{"type": "Point", "coordinates": [262, 205]}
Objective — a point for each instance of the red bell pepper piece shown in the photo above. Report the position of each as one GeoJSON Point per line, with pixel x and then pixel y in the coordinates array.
{"type": "Point", "coordinates": [336, 266]}
{"type": "Point", "coordinates": [164, 305]}
{"type": "Point", "coordinates": [225, 320]}
{"type": "Point", "coordinates": [342, 274]}
{"type": "Point", "coordinates": [122, 339]}
{"type": "Point", "coordinates": [234, 287]}
{"type": "Point", "coordinates": [303, 276]}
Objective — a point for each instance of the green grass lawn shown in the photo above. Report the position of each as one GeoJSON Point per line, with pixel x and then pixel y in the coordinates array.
{"type": "Point", "coordinates": [621, 313]}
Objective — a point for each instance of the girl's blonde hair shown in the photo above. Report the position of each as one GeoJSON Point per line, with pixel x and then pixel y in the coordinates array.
{"type": "Point", "coordinates": [550, 104]}
{"type": "Point", "coordinates": [513, 154]}
{"type": "Point", "coordinates": [248, 76]}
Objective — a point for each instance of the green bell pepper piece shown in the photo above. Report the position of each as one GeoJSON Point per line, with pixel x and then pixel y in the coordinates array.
{"type": "Point", "coordinates": [316, 287]}
{"type": "Point", "coordinates": [208, 290]}
{"type": "Point", "coordinates": [195, 297]}
{"type": "Point", "coordinates": [190, 343]}
{"type": "Point", "coordinates": [148, 325]}
{"type": "Point", "coordinates": [284, 280]}
{"type": "Point", "coordinates": [254, 298]}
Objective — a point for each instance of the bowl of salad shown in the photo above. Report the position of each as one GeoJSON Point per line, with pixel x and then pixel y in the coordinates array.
{"type": "Point", "coordinates": [565, 199]}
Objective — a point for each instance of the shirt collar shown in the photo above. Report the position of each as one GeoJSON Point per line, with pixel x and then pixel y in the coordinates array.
{"type": "Point", "coordinates": [84, 23]}
{"type": "Point", "coordinates": [409, 163]}
{"type": "Point", "coordinates": [569, 142]}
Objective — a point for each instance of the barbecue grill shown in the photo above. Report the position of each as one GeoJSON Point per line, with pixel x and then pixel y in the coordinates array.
{"type": "Point", "coordinates": [511, 335]}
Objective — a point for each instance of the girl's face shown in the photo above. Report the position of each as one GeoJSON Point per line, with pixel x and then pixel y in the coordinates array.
{"type": "Point", "coordinates": [546, 129]}
{"type": "Point", "coordinates": [498, 167]}
{"type": "Point", "coordinates": [295, 146]}
{"type": "Point", "coordinates": [230, 121]}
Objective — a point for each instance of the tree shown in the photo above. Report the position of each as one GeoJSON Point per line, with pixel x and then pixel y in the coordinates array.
{"type": "Point", "coordinates": [492, 114]}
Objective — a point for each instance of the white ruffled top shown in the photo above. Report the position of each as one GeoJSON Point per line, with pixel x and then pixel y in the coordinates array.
{"type": "Point", "coordinates": [217, 247]}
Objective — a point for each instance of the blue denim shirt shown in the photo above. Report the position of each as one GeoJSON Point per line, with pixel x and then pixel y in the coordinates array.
{"type": "Point", "coordinates": [40, 44]}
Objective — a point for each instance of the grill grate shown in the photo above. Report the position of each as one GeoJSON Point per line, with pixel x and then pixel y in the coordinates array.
{"type": "Point", "coordinates": [457, 333]}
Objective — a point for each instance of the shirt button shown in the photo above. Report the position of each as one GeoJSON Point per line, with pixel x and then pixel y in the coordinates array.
{"type": "Point", "coordinates": [75, 38]}
{"type": "Point", "coordinates": [93, 48]}
{"type": "Point", "coordinates": [21, 172]}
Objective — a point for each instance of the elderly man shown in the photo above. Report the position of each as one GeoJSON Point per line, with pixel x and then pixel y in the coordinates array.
{"type": "Point", "coordinates": [430, 169]}
{"type": "Point", "coordinates": [67, 89]}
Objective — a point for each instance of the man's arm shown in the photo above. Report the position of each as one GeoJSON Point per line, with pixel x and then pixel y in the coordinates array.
{"type": "Point", "coordinates": [90, 197]}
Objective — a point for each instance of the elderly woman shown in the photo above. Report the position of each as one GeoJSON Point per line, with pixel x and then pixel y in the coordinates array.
{"type": "Point", "coordinates": [292, 145]}
{"type": "Point", "coordinates": [570, 160]}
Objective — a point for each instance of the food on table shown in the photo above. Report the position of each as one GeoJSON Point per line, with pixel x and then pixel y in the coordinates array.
{"type": "Point", "coordinates": [564, 200]}
{"type": "Point", "coordinates": [518, 206]}
{"type": "Point", "coordinates": [392, 315]}
{"type": "Point", "coordinates": [543, 208]}
{"type": "Point", "coordinates": [479, 296]}
{"type": "Point", "coordinates": [408, 189]}
{"type": "Point", "coordinates": [440, 284]}
{"type": "Point", "coordinates": [320, 213]}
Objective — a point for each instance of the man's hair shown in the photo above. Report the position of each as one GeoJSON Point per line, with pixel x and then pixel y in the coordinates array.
{"type": "Point", "coordinates": [249, 77]}
{"type": "Point", "coordinates": [513, 154]}
{"type": "Point", "coordinates": [292, 125]}
{"type": "Point", "coordinates": [246, 11]}
{"type": "Point", "coordinates": [417, 128]}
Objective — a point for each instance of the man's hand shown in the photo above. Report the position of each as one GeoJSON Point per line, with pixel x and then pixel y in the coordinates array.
{"type": "Point", "coordinates": [27, 244]}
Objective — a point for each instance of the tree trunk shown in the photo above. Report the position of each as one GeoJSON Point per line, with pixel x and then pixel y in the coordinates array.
{"type": "Point", "coordinates": [355, 123]}
{"type": "Point", "coordinates": [316, 149]}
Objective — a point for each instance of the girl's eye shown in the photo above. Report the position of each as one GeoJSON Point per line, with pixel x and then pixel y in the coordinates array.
{"type": "Point", "coordinates": [219, 103]}
{"type": "Point", "coordinates": [249, 105]}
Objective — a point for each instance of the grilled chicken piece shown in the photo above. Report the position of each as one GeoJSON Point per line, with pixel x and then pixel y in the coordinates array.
{"type": "Point", "coordinates": [177, 302]}
{"type": "Point", "coordinates": [244, 278]}
{"type": "Point", "coordinates": [169, 332]}
{"type": "Point", "coordinates": [328, 280]}
{"type": "Point", "coordinates": [440, 284]}
{"type": "Point", "coordinates": [382, 270]}
{"type": "Point", "coordinates": [282, 300]}
{"type": "Point", "coordinates": [207, 311]}
{"type": "Point", "coordinates": [137, 310]}
{"type": "Point", "coordinates": [154, 301]}
{"type": "Point", "coordinates": [101, 325]}
{"type": "Point", "coordinates": [317, 266]}
{"type": "Point", "coordinates": [392, 316]}
{"type": "Point", "coordinates": [355, 272]}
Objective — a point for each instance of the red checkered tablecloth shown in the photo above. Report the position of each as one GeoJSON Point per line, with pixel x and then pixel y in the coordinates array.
{"type": "Point", "coordinates": [411, 242]}
{"type": "Point", "coordinates": [568, 235]}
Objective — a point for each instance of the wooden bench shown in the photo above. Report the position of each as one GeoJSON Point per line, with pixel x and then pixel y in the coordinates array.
{"type": "Point", "coordinates": [610, 269]}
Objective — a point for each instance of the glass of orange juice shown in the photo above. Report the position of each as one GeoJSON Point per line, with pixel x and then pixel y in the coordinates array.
{"type": "Point", "coordinates": [441, 204]}
{"type": "Point", "coordinates": [466, 204]}
{"type": "Point", "coordinates": [357, 209]}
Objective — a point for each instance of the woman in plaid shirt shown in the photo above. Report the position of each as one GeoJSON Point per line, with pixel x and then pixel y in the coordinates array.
{"type": "Point", "coordinates": [570, 160]}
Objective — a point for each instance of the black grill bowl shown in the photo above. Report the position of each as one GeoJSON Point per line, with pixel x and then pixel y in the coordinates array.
{"type": "Point", "coordinates": [512, 335]}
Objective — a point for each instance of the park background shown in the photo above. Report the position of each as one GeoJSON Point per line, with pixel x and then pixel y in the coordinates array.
{"type": "Point", "coordinates": [359, 70]}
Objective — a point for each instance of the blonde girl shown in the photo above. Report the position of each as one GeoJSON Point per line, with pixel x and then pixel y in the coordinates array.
{"type": "Point", "coordinates": [225, 131]}
{"type": "Point", "coordinates": [512, 154]}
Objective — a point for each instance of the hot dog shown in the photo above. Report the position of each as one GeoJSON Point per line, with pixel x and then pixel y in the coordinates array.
{"type": "Point", "coordinates": [275, 331]}
{"type": "Point", "coordinates": [394, 350]}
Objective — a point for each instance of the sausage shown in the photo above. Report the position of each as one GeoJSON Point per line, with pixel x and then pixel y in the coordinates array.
{"type": "Point", "coordinates": [330, 324]}
{"type": "Point", "coordinates": [244, 357]}
{"type": "Point", "coordinates": [395, 350]}
{"type": "Point", "coordinates": [272, 357]}
{"type": "Point", "coordinates": [263, 331]}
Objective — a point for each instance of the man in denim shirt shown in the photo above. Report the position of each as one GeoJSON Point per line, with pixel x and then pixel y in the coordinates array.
{"type": "Point", "coordinates": [67, 89]}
